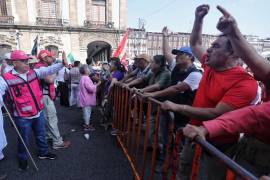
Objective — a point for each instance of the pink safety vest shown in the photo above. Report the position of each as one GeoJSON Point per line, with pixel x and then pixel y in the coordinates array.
{"type": "Point", "coordinates": [49, 88]}
{"type": "Point", "coordinates": [26, 96]}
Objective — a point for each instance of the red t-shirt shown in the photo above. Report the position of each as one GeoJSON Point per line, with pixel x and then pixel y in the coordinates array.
{"type": "Point", "coordinates": [234, 87]}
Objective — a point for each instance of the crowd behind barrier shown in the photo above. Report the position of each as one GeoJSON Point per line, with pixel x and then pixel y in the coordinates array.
{"type": "Point", "coordinates": [134, 139]}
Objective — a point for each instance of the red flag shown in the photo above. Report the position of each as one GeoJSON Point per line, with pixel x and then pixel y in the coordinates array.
{"type": "Point", "coordinates": [121, 46]}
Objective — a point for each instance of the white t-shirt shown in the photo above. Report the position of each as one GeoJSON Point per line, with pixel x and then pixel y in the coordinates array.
{"type": "Point", "coordinates": [193, 80]}
{"type": "Point", "coordinates": [61, 74]}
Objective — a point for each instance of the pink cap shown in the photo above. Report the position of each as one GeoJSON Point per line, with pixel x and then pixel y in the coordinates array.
{"type": "Point", "coordinates": [19, 55]}
{"type": "Point", "coordinates": [44, 53]}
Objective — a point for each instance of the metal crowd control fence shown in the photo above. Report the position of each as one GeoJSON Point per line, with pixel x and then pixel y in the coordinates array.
{"type": "Point", "coordinates": [133, 116]}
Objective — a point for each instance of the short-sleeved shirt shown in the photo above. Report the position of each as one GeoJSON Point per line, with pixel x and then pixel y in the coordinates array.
{"type": "Point", "coordinates": [163, 78]}
{"type": "Point", "coordinates": [142, 73]}
{"type": "Point", "coordinates": [234, 87]}
{"type": "Point", "coordinates": [118, 75]}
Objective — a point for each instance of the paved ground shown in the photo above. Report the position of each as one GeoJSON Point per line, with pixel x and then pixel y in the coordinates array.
{"type": "Point", "coordinates": [98, 158]}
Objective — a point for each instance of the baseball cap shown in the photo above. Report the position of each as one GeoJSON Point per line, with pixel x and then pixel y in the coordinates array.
{"type": "Point", "coordinates": [144, 56]}
{"type": "Point", "coordinates": [19, 55]}
{"type": "Point", "coordinates": [44, 53]}
{"type": "Point", "coordinates": [186, 50]}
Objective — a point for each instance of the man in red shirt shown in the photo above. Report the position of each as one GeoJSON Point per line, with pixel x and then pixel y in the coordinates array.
{"type": "Point", "coordinates": [254, 151]}
{"type": "Point", "coordinates": [224, 87]}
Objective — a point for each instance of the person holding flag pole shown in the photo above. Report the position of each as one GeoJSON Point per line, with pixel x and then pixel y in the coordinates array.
{"type": "Point", "coordinates": [22, 85]}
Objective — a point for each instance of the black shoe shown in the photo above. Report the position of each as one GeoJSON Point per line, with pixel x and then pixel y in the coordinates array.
{"type": "Point", "coordinates": [50, 156]}
{"type": "Point", "coordinates": [23, 165]}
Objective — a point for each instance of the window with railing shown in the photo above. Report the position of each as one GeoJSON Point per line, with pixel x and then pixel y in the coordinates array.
{"type": "Point", "coordinates": [48, 8]}
{"type": "Point", "coordinates": [99, 11]}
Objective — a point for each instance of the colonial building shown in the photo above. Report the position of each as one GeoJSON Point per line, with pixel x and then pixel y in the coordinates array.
{"type": "Point", "coordinates": [85, 28]}
{"type": "Point", "coordinates": [141, 41]}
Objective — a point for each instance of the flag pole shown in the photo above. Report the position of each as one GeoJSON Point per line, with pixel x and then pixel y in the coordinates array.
{"type": "Point", "coordinates": [20, 137]}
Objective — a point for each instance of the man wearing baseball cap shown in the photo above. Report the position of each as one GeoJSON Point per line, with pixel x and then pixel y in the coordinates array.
{"type": "Point", "coordinates": [49, 95]}
{"type": "Point", "coordinates": [22, 85]}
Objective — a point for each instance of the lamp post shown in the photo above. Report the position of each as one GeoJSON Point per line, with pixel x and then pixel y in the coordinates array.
{"type": "Point", "coordinates": [18, 34]}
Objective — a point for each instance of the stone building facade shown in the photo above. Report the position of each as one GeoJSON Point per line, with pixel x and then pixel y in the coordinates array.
{"type": "Point", "coordinates": [85, 28]}
{"type": "Point", "coordinates": [141, 41]}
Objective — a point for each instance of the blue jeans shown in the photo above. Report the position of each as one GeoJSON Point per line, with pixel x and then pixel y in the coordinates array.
{"type": "Point", "coordinates": [38, 126]}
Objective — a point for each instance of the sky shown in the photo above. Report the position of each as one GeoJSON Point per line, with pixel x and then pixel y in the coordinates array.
{"type": "Point", "coordinates": [252, 16]}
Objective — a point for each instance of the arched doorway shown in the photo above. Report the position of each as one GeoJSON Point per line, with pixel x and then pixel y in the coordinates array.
{"type": "Point", "coordinates": [52, 48]}
{"type": "Point", "coordinates": [98, 51]}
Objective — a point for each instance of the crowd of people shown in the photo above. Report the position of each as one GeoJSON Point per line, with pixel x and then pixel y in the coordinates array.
{"type": "Point", "coordinates": [217, 102]}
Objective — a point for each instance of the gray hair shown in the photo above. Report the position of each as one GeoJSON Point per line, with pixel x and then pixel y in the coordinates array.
{"type": "Point", "coordinates": [84, 68]}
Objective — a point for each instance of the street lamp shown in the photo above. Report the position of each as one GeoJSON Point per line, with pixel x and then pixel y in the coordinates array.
{"type": "Point", "coordinates": [18, 34]}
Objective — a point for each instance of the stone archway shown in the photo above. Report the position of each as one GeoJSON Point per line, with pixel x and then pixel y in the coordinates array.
{"type": "Point", "coordinates": [98, 51]}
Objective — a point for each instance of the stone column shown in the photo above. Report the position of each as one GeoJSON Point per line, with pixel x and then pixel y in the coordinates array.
{"type": "Point", "coordinates": [73, 13]}
{"type": "Point", "coordinates": [109, 10]}
{"type": "Point", "coordinates": [21, 14]}
{"type": "Point", "coordinates": [81, 12]}
{"type": "Point", "coordinates": [32, 11]}
{"type": "Point", "coordinates": [123, 14]}
{"type": "Point", "coordinates": [88, 9]}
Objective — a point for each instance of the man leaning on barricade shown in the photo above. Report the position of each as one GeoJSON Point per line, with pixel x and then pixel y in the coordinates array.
{"type": "Point", "coordinates": [224, 87]}
{"type": "Point", "coordinates": [185, 79]}
{"type": "Point", "coordinates": [253, 152]}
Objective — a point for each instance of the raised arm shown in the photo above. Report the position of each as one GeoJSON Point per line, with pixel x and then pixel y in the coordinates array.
{"type": "Point", "coordinates": [46, 71]}
{"type": "Point", "coordinates": [196, 112]}
{"type": "Point", "coordinates": [170, 91]}
{"type": "Point", "coordinates": [196, 34]}
{"type": "Point", "coordinates": [259, 66]}
{"type": "Point", "coordinates": [167, 51]}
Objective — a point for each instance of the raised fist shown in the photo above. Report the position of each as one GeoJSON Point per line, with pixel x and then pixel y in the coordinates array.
{"type": "Point", "coordinates": [202, 10]}
{"type": "Point", "coordinates": [165, 31]}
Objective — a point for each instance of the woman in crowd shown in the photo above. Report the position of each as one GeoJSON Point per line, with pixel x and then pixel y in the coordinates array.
{"type": "Point", "coordinates": [87, 96]}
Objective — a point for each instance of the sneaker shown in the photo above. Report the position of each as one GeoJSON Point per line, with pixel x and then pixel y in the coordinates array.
{"type": "Point", "coordinates": [50, 156]}
{"type": "Point", "coordinates": [23, 165]}
{"type": "Point", "coordinates": [64, 145]}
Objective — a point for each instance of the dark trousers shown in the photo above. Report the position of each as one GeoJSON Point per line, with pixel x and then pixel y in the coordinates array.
{"type": "Point", "coordinates": [38, 126]}
{"type": "Point", "coordinates": [64, 93]}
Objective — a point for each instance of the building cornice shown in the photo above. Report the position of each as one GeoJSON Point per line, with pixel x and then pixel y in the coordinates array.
{"type": "Point", "coordinates": [61, 28]}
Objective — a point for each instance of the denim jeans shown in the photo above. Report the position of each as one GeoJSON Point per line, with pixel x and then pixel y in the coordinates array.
{"type": "Point", "coordinates": [74, 95]}
{"type": "Point", "coordinates": [87, 114]}
{"type": "Point", "coordinates": [38, 126]}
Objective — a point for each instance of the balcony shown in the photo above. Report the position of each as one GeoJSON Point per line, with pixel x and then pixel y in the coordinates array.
{"type": "Point", "coordinates": [51, 21]}
{"type": "Point", "coordinates": [7, 20]}
{"type": "Point", "coordinates": [98, 24]}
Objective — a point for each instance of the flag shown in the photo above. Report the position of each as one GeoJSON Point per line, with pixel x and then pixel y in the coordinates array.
{"type": "Point", "coordinates": [121, 48]}
{"type": "Point", "coordinates": [71, 58]}
{"type": "Point", "coordinates": [35, 47]}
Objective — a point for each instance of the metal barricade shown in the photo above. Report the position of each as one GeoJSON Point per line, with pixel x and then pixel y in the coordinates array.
{"type": "Point", "coordinates": [136, 117]}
